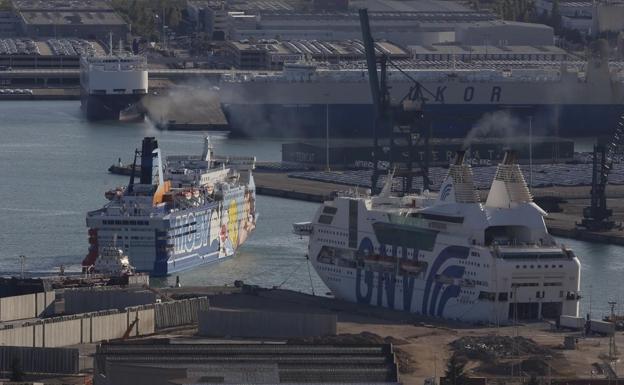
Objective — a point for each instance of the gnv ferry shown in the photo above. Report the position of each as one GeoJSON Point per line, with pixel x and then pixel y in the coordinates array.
{"type": "Point", "coordinates": [185, 212]}
{"type": "Point", "coordinates": [450, 256]}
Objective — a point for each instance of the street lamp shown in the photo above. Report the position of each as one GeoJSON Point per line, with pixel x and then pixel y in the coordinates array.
{"type": "Point", "coordinates": [22, 261]}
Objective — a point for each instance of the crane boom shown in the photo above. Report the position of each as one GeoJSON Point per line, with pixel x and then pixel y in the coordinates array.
{"type": "Point", "coordinates": [597, 216]}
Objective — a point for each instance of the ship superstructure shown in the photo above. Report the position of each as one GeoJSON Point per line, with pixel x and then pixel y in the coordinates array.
{"type": "Point", "coordinates": [180, 213]}
{"type": "Point", "coordinates": [564, 99]}
{"type": "Point", "coordinates": [111, 84]}
{"type": "Point", "coordinates": [450, 255]}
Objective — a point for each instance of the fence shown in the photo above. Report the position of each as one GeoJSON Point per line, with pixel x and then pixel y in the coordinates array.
{"type": "Point", "coordinates": [27, 306]}
{"type": "Point", "coordinates": [219, 323]}
{"type": "Point", "coordinates": [40, 360]}
{"type": "Point", "coordinates": [80, 329]}
{"type": "Point", "coordinates": [95, 299]}
{"type": "Point", "coordinates": [178, 313]}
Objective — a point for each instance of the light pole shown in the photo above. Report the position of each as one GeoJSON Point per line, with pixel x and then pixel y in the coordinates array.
{"type": "Point", "coordinates": [327, 137]}
{"type": "Point", "coordinates": [531, 153]}
{"type": "Point", "coordinates": [22, 261]}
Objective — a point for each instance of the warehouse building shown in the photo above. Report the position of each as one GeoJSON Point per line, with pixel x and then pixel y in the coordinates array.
{"type": "Point", "coordinates": [400, 27]}
{"type": "Point", "coordinates": [88, 19]}
{"type": "Point", "coordinates": [158, 362]}
{"type": "Point", "coordinates": [505, 33]}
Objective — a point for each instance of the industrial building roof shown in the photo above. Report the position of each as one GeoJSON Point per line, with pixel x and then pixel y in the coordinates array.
{"type": "Point", "coordinates": [71, 18]}
{"type": "Point", "coordinates": [262, 5]}
{"type": "Point", "coordinates": [455, 49]}
{"type": "Point", "coordinates": [256, 363]}
{"type": "Point", "coordinates": [318, 47]}
{"type": "Point", "coordinates": [409, 5]}
{"type": "Point", "coordinates": [58, 5]}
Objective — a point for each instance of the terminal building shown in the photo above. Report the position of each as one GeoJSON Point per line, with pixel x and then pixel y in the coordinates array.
{"type": "Point", "coordinates": [87, 19]}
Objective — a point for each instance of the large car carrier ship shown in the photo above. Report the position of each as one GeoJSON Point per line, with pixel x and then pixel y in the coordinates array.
{"type": "Point", "coordinates": [308, 100]}
{"type": "Point", "coordinates": [181, 213]}
{"type": "Point", "coordinates": [111, 84]}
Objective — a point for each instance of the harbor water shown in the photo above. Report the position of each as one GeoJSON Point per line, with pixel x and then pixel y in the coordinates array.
{"type": "Point", "coordinates": [54, 169]}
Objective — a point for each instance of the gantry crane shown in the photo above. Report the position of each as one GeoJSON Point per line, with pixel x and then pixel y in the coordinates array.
{"type": "Point", "coordinates": [403, 123]}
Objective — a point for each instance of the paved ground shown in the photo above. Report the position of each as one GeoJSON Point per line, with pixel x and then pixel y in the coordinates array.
{"type": "Point", "coordinates": [423, 342]}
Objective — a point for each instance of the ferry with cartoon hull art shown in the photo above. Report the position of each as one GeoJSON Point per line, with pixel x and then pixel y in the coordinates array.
{"type": "Point", "coordinates": [184, 212]}
{"type": "Point", "coordinates": [451, 255]}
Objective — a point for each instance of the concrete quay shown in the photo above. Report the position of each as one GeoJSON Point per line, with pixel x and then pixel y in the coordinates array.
{"type": "Point", "coordinates": [562, 224]}
{"type": "Point", "coordinates": [419, 343]}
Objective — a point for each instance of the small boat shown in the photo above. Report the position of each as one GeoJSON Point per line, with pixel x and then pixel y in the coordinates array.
{"type": "Point", "coordinates": [123, 169]}
{"type": "Point", "coordinates": [112, 262]}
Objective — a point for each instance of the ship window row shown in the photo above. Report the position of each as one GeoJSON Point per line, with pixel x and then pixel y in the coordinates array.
{"type": "Point", "coordinates": [143, 238]}
{"type": "Point", "coordinates": [538, 266]}
{"type": "Point", "coordinates": [120, 222]}
{"type": "Point", "coordinates": [332, 241]}
{"type": "Point", "coordinates": [532, 284]}
{"type": "Point", "coordinates": [471, 263]}
{"type": "Point", "coordinates": [338, 233]}
{"type": "Point", "coordinates": [524, 284]}
{"type": "Point", "coordinates": [125, 229]}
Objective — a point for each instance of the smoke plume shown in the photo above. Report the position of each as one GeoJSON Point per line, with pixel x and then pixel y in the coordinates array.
{"type": "Point", "coordinates": [498, 124]}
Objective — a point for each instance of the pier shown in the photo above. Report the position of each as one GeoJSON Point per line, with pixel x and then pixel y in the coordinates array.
{"type": "Point", "coordinates": [561, 221]}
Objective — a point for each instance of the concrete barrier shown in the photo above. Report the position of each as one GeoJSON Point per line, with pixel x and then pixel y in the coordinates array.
{"type": "Point", "coordinates": [95, 299]}
{"type": "Point", "coordinates": [179, 313]}
{"type": "Point", "coordinates": [40, 360]}
{"type": "Point", "coordinates": [103, 325]}
{"type": "Point", "coordinates": [26, 306]}
{"type": "Point", "coordinates": [62, 331]}
{"type": "Point", "coordinates": [108, 326]}
{"type": "Point", "coordinates": [81, 328]}
{"type": "Point", "coordinates": [260, 324]}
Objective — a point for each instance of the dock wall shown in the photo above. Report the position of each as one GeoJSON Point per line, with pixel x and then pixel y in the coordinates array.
{"type": "Point", "coordinates": [95, 299]}
{"type": "Point", "coordinates": [179, 313]}
{"type": "Point", "coordinates": [261, 324]}
{"type": "Point", "coordinates": [40, 360]}
{"type": "Point", "coordinates": [81, 328]}
{"type": "Point", "coordinates": [27, 306]}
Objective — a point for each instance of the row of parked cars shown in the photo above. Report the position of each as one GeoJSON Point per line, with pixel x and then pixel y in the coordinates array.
{"type": "Point", "coordinates": [13, 46]}
{"type": "Point", "coordinates": [16, 91]}
{"type": "Point", "coordinates": [71, 47]}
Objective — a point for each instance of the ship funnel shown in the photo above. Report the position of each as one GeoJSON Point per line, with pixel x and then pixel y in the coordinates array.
{"type": "Point", "coordinates": [458, 187]}
{"type": "Point", "coordinates": [207, 153]}
{"type": "Point", "coordinates": [460, 155]}
{"type": "Point", "coordinates": [510, 157]}
{"type": "Point", "coordinates": [147, 159]}
{"type": "Point", "coordinates": [509, 186]}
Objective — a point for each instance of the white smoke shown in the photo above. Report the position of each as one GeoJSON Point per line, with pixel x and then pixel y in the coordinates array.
{"type": "Point", "coordinates": [184, 104]}
{"type": "Point", "coordinates": [202, 101]}
{"type": "Point", "coordinates": [498, 124]}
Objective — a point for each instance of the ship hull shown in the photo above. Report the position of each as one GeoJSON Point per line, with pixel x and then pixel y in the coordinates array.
{"type": "Point", "coordinates": [449, 120]}
{"type": "Point", "coordinates": [107, 107]}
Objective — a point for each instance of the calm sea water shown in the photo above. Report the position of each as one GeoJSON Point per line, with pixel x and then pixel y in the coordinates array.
{"type": "Point", "coordinates": [53, 169]}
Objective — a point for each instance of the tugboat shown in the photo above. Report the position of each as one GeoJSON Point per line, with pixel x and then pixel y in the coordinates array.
{"type": "Point", "coordinates": [112, 262]}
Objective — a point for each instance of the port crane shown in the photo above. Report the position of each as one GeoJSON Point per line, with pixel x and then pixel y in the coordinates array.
{"type": "Point", "coordinates": [597, 216]}
{"type": "Point", "coordinates": [404, 123]}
